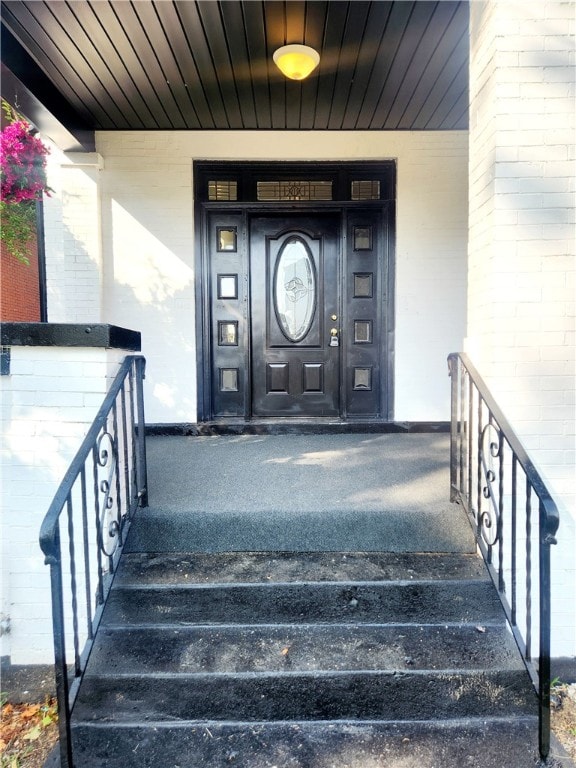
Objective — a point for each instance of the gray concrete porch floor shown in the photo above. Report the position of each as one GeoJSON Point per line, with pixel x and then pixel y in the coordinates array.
{"type": "Point", "coordinates": [345, 492]}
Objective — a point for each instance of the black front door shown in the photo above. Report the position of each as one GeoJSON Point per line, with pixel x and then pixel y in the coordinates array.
{"type": "Point", "coordinates": [297, 314]}
{"type": "Point", "coordinates": [295, 278]}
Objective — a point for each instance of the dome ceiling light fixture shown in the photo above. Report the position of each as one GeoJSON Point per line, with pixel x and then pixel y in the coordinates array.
{"type": "Point", "coordinates": [296, 61]}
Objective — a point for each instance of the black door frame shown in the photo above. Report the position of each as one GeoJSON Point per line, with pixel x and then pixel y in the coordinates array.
{"type": "Point", "coordinates": [246, 210]}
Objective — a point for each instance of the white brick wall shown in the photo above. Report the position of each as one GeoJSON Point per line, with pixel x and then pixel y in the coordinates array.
{"type": "Point", "coordinates": [522, 252]}
{"type": "Point", "coordinates": [73, 239]}
{"type": "Point", "coordinates": [47, 405]}
{"type": "Point", "coordinates": [148, 249]}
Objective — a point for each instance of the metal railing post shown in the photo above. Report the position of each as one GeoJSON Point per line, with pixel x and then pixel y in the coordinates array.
{"type": "Point", "coordinates": [60, 666]}
{"type": "Point", "coordinates": [142, 460]}
{"type": "Point", "coordinates": [544, 645]}
{"type": "Point", "coordinates": [453, 368]}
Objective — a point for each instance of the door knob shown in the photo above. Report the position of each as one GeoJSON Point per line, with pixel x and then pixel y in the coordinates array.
{"type": "Point", "coordinates": [334, 337]}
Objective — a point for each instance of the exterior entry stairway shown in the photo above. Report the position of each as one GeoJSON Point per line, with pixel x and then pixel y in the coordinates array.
{"type": "Point", "coordinates": [307, 601]}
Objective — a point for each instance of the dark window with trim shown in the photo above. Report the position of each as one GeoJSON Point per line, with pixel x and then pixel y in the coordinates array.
{"type": "Point", "coordinates": [294, 190]}
{"type": "Point", "coordinates": [295, 182]}
{"type": "Point", "coordinates": [222, 190]}
{"type": "Point", "coordinates": [365, 190]}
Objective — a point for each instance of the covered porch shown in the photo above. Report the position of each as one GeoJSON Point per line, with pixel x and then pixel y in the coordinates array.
{"type": "Point", "coordinates": [472, 106]}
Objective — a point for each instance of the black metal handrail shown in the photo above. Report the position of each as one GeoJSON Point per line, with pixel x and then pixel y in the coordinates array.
{"type": "Point", "coordinates": [92, 511]}
{"type": "Point", "coordinates": [492, 476]}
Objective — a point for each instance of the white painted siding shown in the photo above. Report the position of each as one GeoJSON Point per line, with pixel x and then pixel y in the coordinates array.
{"type": "Point", "coordinates": [522, 251]}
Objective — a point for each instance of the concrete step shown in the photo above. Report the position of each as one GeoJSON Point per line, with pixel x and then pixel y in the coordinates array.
{"type": "Point", "coordinates": [304, 696]}
{"type": "Point", "coordinates": [177, 568]}
{"type": "Point", "coordinates": [305, 659]}
{"type": "Point", "coordinates": [232, 648]}
{"type": "Point", "coordinates": [285, 529]}
{"type": "Point", "coordinates": [350, 602]}
{"type": "Point", "coordinates": [485, 743]}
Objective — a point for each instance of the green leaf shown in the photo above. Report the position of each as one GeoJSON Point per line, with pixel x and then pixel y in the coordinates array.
{"type": "Point", "coordinates": [33, 734]}
{"type": "Point", "coordinates": [18, 226]}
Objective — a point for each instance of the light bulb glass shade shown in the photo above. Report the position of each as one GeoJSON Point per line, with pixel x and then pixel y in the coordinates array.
{"type": "Point", "coordinates": [296, 61]}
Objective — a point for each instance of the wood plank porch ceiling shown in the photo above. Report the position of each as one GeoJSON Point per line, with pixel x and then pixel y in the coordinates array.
{"type": "Point", "coordinates": [207, 64]}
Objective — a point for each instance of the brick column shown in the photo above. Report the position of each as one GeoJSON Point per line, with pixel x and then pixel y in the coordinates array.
{"type": "Point", "coordinates": [57, 380]}
{"type": "Point", "coordinates": [521, 246]}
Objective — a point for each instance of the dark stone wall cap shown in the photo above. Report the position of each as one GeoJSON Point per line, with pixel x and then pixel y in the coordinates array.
{"type": "Point", "coordinates": [69, 335]}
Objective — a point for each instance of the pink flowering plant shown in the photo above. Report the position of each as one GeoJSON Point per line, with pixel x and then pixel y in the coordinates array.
{"type": "Point", "coordinates": [22, 182]}
{"type": "Point", "coordinates": [22, 164]}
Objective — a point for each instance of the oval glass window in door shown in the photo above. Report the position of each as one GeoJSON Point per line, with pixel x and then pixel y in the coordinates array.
{"type": "Point", "coordinates": [294, 289]}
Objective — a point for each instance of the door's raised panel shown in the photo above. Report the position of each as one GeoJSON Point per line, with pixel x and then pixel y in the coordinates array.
{"type": "Point", "coordinates": [313, 377]}
{"type": "Point", "coordinates": [277, 377]}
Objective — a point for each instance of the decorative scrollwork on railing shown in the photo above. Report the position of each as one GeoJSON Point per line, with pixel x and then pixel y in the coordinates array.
{"type": "Point", "coordinates": [86, 524]}
{"type": "Point", "coordinates": [489, 518]}
{"type": "Point", "coordinates": [108, 521]}
{"type": "Point", "coordinates": [521, 516]}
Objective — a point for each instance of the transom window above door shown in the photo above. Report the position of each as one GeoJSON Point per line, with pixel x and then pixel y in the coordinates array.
{"type": "Point", "coordinates": [294, 182]}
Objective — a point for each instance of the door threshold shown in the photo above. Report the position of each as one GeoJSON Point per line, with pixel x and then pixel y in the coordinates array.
{"type": "Point", "coordinates": [296, 426]}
